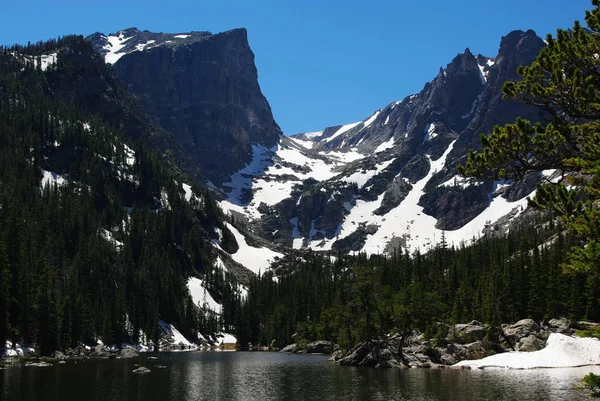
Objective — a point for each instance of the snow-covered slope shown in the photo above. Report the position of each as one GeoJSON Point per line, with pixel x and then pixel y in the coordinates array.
{"type": "Point", "coordinates": [390, 180]}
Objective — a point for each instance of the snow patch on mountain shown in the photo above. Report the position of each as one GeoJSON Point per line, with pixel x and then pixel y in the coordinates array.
{"type": "Point", "coordinates": [114, 46]}
{"type": "Point", "coordinates": [141, 46]}
{"type": "Point", "coordinates": [201, 296]}
{"type": "Point", "coordinates": [47, 60]}
{"type": "Point", "coordinates": [409, 223]}
{"type": "Point", "coordinates": [361, 177]}
{"type": "Point", "coordinates": [385, 145]}
{"type": "Point", "coordinates": [298, 240]}
{"type": "Point", "coordinates": [460, 181]}
{"type": "Point", "coordinates": [273, 173]}
{"type": "Point", "coordinates": [257, 260]}
{"type": "Point", "coordinates": [342, 130]}
{"type": "Point", "coordinates": [177, 337]}
{"type": "Point", "coordinates": [51, 178]}
{"type": "Point", "coordinates": [430, 132]}
{"type": "Point", "coordinates": [348, 156]}
{"type": "Point", "coordinates": [371, 119]}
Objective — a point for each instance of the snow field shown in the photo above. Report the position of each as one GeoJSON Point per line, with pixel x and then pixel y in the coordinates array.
{"type": "Point", "coordinates": [561, 351]}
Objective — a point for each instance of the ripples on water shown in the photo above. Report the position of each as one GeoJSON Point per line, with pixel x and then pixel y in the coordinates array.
{"type": "Point", "coordinates": [273, 376]}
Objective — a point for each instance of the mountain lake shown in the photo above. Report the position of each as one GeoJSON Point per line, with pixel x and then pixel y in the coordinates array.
{"type": "Point", "coordinates": [273, 376]}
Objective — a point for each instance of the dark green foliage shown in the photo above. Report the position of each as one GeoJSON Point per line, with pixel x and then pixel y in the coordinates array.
{"type": "Point", "coordinates": [496, 280]}
{"type": "Point", "coordinates": [591, 383]}
{"type": "Point", "coordinates": [108, 252]}
{"type": "Point", "coordinates": [564, 82]}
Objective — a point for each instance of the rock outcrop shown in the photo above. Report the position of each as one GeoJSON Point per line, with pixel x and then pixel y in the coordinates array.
{"type": "Point", "coordinates": [463, 342]}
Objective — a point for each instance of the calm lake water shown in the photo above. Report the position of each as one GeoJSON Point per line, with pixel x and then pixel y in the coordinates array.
{"type": "Point", "coordinates": [273, 376]}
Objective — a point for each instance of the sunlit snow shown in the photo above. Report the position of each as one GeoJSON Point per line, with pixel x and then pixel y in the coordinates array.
{"type": "Point", "coordinates": [342, 130]}
{"type": "Point", "coordinates": [171, 331]}
{"type": "Point", "coordinates": [409, 222]}
{"type": "Point", "coordinates": [385, 145]}
{"type": "Point", "coordinates": [201, 296]}
{"type": "Point", "coordinates": [371, 119]}
{"type": "Point", "coordinates": [258, 260]}
{"type": "Point", "coordinates": [114, 46]}
{"type": "Point", "coordinates": [361, 177]}
{"type": "Point", "coordinates": [142, 46]}
{"type": "Point", "coordinates": [50, 178]}
{"type": "Point", "coordinates": [561, 351]}
{"type": "Point", "coordinates": [263, 176]}
{"type": "Point", "coordinates": [430, 132]}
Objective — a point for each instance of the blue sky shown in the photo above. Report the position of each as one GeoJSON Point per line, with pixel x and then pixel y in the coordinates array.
{"type": "Point", "coordinates": [320, 62]}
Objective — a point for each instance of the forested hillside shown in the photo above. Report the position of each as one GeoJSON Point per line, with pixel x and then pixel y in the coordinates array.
{"type": "Point", "coordinates": [96, 235]}
{"type": "Point", "coordinates": [497, 280]}
{"type": "Point", "coordinates": [101, 230]}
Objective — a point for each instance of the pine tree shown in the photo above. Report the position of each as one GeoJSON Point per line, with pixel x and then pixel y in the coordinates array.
{"type": "Point", "coordinates": [564, 82]}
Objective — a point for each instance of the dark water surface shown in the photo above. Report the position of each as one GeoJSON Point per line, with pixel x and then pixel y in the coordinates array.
{"type": "Point", "coordinates": [273, 376]}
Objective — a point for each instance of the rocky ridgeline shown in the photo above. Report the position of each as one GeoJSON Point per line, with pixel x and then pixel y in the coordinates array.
{"type": "Point", "coordinates": [462, 342]}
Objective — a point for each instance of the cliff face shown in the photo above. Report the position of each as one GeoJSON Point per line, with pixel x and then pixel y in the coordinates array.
{"type": "Point", "coordinates": [203, 88]}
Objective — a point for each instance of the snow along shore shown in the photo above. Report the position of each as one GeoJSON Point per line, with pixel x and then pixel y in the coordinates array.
{"type": "Point", "coordinates": [561, 351]}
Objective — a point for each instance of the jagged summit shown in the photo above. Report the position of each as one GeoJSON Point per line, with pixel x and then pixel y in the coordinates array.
{"type": "Point", "coordinates": [201, 87]}
{"type": "Point", "coordinates": [391, 179]}
{"type": "Point", "coordinates": [115, 45]}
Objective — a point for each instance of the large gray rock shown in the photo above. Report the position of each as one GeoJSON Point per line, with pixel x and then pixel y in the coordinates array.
{"type": "Point", "coordinates": [289, 348]}
{"type": "Point", "coordinates": [523, 328]}
{"type": "Point", "coordinates": [319, 347]}
{"type": "Point", "coordinates": [59, 355]}
{"type": "Point", "coordinates": [529, 344]}
{"type": "Point", "coordinates": [561, 325]}
{"type": "Point", "coordinates": [127, 353]}
{"type": "Point", "coordinates": [101, 351]}
{"type": "Point", "coordinates": [468, 333]}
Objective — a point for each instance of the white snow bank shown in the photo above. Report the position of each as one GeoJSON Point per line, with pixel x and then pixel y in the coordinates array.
{"type": "Point", "coordinates": [187, 189]}
{"type": "Point", "coordinates": [141, 46]}
{"type": "Point", "coordinates": [385, 145]}
{"type": "Point", "coordinates": [182, 36]}
{"type": "Point", "coordinates": [170, 330]}
{"type": "Point", "coordinates": [313, 135]}
{"type": "Point", "coordinates": [342, 130]}
{"type": "Point", "coordinates": [129, 155]}
{"type": "Point", "coordinates": [371, 119]}
{"type": "Point", "coordinates": [49, 178]}
{"type": "Point", "coordinates": [113, 48]}
{"type": "Point", "coordinates": [225, 338]}
{"type": "Point", "coordinates": [255, 259]}
{"type": "Point", "coordinates": [47, 60]}
{"type": "Point", "coordinates": [430, 132]}
{"type": "Point", "coordinates": [201, 296]}
{"type": "Point", "coordinates": [19, 350]}
{"type": "Point", "coordinates": [361, 177]}
{"type": "Point", "coordinates": [561, 352]}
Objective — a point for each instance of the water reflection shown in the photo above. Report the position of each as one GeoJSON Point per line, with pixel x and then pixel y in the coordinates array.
{"type": "Point", "coordinates": [272, 376]}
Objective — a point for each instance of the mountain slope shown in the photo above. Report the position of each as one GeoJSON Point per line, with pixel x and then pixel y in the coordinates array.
{"type": "Point", "coordinates": [99, 233]}
{"type": "Point", "coordinates": [390, 179]}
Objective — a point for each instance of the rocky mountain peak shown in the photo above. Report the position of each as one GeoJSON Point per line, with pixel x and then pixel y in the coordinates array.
{"type": "Point", "coordinates": [200, 86]}
{"type": "Point", "coordinates": [518, 48]}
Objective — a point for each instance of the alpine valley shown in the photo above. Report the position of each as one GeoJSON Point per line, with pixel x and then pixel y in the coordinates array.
{"type": "Point", "coordinates": [148, 197]}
